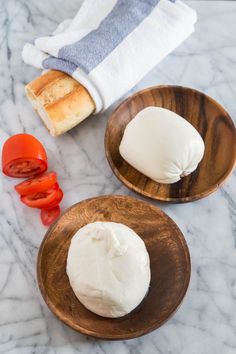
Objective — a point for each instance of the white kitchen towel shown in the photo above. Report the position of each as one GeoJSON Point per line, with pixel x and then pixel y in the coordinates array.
{"type": "Point", "coordinates": [111, 45]}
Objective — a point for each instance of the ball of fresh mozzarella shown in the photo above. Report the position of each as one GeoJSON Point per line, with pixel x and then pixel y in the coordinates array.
{"type": "Point", "coordinates": [108, 268]}
{"type": "Point", "coordinates": [162, 145]}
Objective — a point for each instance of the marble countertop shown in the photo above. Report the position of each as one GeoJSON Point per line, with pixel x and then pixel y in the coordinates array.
{"type": "Point", "coordinates": [206, 321]}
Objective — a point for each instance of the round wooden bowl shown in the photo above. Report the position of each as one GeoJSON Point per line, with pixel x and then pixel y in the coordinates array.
{"type": "Point", "coordinates": [169, 261]}
{"type": "Point", "coordinates": [206, 115]}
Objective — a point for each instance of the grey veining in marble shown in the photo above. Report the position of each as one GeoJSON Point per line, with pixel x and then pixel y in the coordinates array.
{"type": "Point", "coordinates": [206, 322]}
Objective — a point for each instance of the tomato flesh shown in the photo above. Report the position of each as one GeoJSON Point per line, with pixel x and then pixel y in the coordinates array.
{"type": "Point", "coordinates": [23, 156]}
{"type": "Point", "coordinates": [56, 201]}
{"type": "Point", "coordinates": [21, 168]}
{"type": "Point", "coordinates": [41, 199]}
{"type": "Point", "coordinates": [48, 216]}
{"type": "Point", "coordinates": [37, 184]}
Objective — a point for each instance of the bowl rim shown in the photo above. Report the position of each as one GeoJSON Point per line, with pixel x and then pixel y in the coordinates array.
{"type": "Point", "coordinates": [127, 336]}
{"type": "Point", "coordinates": [133, 187]}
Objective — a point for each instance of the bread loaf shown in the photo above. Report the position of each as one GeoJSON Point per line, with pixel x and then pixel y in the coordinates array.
{"type": "Point", "coordinates": [60, 101]}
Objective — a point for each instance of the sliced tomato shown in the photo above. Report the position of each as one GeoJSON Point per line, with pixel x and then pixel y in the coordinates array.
{"type": "Point", "coordinates": [41, 199]}
{"type": "Point", "coordinates": [48, 216]}
{"type": "Point", "coordinates": [23, 156]}
{"type": "Point", "coordinates": [56, 201]}
{"type": "Point", "coordinates": [37, 184]}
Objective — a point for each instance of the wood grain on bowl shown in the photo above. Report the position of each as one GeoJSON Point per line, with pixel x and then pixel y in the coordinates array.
{"type": "Point", "coordinates": [169, 261]}
{"type": "Point", "coordinates": [206, 115]}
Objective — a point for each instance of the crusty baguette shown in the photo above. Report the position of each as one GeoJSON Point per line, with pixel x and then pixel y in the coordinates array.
{"type": "Point", "coordinates": [60, 101]}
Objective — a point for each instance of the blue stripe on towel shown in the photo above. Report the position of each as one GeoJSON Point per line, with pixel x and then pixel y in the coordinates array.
{"type": "Point", "coordinates": [59, 64]}
{"type": "Point", "coordinates": [91, 50]}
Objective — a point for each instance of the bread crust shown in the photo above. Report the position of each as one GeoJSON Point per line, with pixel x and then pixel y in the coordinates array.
{"type": "Point", "coordinates": [61, 101]}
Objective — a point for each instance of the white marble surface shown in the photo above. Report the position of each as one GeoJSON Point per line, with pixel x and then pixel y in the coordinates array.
{"type": "Point", "coordinates": [206, 322]}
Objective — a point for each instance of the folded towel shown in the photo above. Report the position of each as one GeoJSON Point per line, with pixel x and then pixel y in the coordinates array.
{"type": "Point", "coordinates": [110, 45]}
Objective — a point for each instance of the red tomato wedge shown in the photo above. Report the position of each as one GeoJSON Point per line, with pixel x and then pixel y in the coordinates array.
{"type": "Point", "coordinates": [56, 201]}
{"type": "Point", "coordinates": [48, 216]}
{"type": "Point", "coordinates": [41, 199]}
{"type": "Point", "coordinates": [23, 156]}
{"type": "Point", "coordinates": [36, 184]}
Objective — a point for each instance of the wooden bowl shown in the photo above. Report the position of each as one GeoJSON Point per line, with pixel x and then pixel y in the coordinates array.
{"type": "Point", "coordinates": [206, 115]}
{"type": "Point", "coordinates": [169, 259]}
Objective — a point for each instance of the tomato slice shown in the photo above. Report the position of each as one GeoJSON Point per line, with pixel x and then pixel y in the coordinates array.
{"type": "Point", "coordinates": [23, 156]}
{"type": "Point", "coordinates": [37, 184]}
{"type": "Point", "coordinates": [56, 201]}
{"type": "Point", "coordinates": [48, 216]}
{"type": "Point", "coordinates": [41, 199]}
